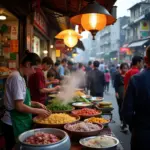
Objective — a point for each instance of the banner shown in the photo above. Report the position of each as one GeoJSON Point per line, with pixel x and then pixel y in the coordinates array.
{"type": "Point", "coordinates": [14, 32]}
{"type": "Point", "coordinates": [144, 25]}
{"type": "Point", "coordinates": [57, 53]}
{"type": "Point", "coordinates": [59, 44]}
{"type": "Point", "coordinates": [14, 46]}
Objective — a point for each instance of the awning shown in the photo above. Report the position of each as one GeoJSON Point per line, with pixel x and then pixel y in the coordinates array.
{"type": "Point", "coordinates": [100, 53]}
{"type": "Point", "coordinates": [138, 43]}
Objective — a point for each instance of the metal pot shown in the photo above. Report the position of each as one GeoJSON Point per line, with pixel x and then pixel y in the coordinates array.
{"type": "Point", "coordinates": [64, 143]}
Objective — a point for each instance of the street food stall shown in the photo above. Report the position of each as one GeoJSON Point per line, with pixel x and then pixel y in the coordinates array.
{"type": "Point", "coordinates": [71, 126]}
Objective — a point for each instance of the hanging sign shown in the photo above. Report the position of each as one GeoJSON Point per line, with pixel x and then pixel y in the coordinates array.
{"type": "Point", "coordinates": [144, 25]}
{"type": "Point", "coordinates": [57, 53]}
{"type": "Point", "coordinates": [14, 32]}
{"type": "Point", "coordinates": [59, 44]}
{"type": "Point", "coordinates": [40, 22]}
{"type": "Point", "coordinates": [14, 46]}
{"type": "Point", "coordinates": [29, 36]}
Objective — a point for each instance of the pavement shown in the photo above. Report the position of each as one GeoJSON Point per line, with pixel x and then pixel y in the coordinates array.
{"type": "Point", "coordinates": [124, 138]}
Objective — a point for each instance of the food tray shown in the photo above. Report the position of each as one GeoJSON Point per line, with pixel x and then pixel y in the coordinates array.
{"type": "Point", "coordinates": [63, 111]}
{"type": "Point", "coordinates": [96, 99]}
{"type": "Point", "coordinates": [105, 110]}
{"type": "Point", "coordinates": [88, 116]}
{"type": "Point", "coordinates": [81, 104]}
{"type": "Point", "coordinates": [42, 125]}
{"type": "Point", "coordinates": [113, 147]}
{"type": "Point", "coordinates": [104, 124]}
{"type": "Point", "coordinates": [82, 134]}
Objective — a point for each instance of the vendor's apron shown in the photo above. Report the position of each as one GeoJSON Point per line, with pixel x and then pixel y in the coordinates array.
{"type": "Point", "coordinates": [21, 121]}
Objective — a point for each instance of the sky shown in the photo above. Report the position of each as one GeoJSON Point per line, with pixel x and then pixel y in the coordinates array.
{"type": "Point", "coordinates": [123, 6]}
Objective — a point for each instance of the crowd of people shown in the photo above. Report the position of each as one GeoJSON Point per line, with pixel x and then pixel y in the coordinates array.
{"type": "Point", "coordinates": [36, 78]}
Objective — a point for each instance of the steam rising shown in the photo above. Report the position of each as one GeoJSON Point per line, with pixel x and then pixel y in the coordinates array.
{"type": "Point", "coordinates": [70, 84]}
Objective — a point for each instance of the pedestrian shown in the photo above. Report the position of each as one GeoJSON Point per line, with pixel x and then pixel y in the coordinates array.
{"type": "Point", "coordinates": [137, 64]}
{"type": "Point", "coordinates": [81, 67]}
{"type": "Point", "coordinates": [136, 107]}
{"type": "Point", "coordinates": [89, 67]}
{"type": "Point", "coordinates": [102, 66]}
{"type": "Point", "coordinates": [107, 80]}
{"type": "Point", "coordinates": [18, 115]}
{"type": "Point", "coordinates": [112, 73]}
{"type": "Point", "coordinates": [119, 90]}
{"type": "Point", "coordinates": [61, 69]}
{"type": "Point", "coordinates": [96, 81]}
{"type": "Point", "coordinates": [37, 83]}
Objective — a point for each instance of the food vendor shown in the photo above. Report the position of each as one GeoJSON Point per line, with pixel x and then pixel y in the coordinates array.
{"type": "Point", "coordinates": [37, 82]}
{"type": "Point", "coordinates": [18, 115]}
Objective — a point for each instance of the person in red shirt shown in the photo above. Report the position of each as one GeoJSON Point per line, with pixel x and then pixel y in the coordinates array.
{"type": "Point", "coordinates": [107, 80]}
{"type": "Point", "coordinates": [37, 82]}
{"type": "Point", "coordinates": [137, 64]}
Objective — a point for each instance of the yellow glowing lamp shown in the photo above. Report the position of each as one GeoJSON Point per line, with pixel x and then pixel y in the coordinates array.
{"type": "Point", "coordinates": [70, 40]}
{"type": "Point", "coordinates": [74, 55]}
{"type": "Point", "coordinates": [69, 36]}
{"type": "Point", "coordinates": [93, 21]}
{"type": "Point", "coordinates": [93, 18]}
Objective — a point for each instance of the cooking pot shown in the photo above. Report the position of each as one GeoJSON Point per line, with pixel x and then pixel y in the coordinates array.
{"type": "Point", "coordinates": [64, 143]}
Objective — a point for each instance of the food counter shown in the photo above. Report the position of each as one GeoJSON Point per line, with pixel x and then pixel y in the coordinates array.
{"type": "Point", "coordinates": [84, 124]}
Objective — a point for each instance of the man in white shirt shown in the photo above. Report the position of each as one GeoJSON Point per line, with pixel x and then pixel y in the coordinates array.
{"type": "Point", "coordinates": [102, 67]}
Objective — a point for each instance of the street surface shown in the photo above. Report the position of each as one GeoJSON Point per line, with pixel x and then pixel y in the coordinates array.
{"type": "Point", "coordinates": [115, 125]}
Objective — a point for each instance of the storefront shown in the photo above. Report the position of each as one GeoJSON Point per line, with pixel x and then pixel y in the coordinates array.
{"type": "Point", "coordinates": [40, 43]}
{"type": "Point", "coordinates": [139, 47]}
{"type": "Point", "coordinates": [9, 42]}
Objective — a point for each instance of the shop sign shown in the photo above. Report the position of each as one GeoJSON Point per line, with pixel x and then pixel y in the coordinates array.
{"type": "Point", "coordinates": [144, 25]}
{"type": "Point", "coordinates": [40, 22]}
{"type": "Point", "coordinates": [14, 32]}
{"type": "Point", "coordinates": [36, 45]}
{"type": "Point", "coordinates": [57, 53]}
{"type": "Point", "coordinates": [12, 64]}
{"type": "Point", "coordinates": [14, 46]}
{"type": "Point", "coordinates": [59, 44]}
{"type": "Point", "coordinates": [29, 35]}
{"type": "Point", "coordinates": [144, 34]}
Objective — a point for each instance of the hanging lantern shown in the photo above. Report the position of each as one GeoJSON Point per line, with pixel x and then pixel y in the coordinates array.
{"type": "Point", "coordinates": [69, 36]}
{"type": "Point", "coordinates": [74, 54]}
{"type": "Point", "coordinates": [70, 41]}
{"type": "Point", "coordinates": [93, 18]}
{"type": "Point", "coordinates": [96, 21]}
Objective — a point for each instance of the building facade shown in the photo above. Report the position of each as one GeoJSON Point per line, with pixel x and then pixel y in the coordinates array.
{"type": "Point", "coordinates": [111, 39]}
{"type": "Point", "coordinates": [137, 30]}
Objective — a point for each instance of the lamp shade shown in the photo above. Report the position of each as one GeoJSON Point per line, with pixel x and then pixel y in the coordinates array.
{"type": "Point", "coordinates": [70, 40]}
{"type": "Point", "coordinates": [93, 17]}
{"type": "Point", "coordinates": [69, 36]}
{"type": "Point", "coordinates": [95, 21]}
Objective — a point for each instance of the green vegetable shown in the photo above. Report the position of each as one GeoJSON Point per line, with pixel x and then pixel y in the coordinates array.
{"type": "Point", "coordinates": [85, 100]}
{"type": "Point", "coordinates": [80, 99]}
{"type": "Point", "coordinates": [57, 105]}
